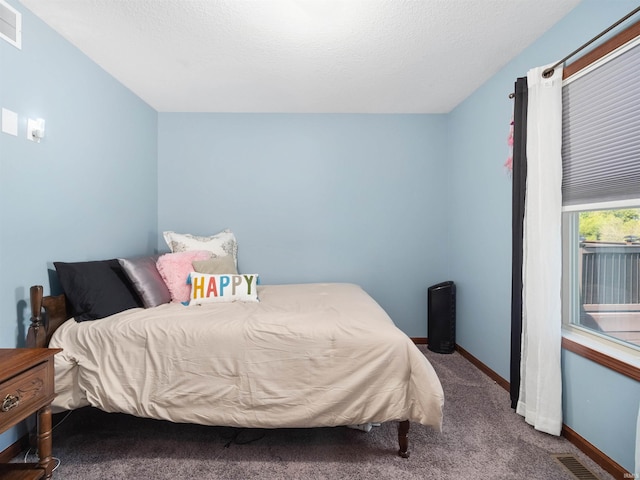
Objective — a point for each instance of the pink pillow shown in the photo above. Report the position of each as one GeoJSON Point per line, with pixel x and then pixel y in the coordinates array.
{"type": "Point", "coordinates": [174, 269]}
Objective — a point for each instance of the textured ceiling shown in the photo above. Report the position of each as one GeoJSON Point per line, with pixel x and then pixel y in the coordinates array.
{"type": "Point", "coordinates": [363, 56]}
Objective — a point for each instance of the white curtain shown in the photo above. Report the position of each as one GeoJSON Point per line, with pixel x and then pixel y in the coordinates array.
{"type": "Point", "coordinates": [540, 400]}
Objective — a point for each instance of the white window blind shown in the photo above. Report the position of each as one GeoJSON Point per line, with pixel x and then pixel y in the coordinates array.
{"type": "Point", "coordinates": [601, 131]}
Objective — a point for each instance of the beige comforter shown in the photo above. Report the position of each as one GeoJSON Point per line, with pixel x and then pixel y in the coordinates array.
{"type": "Point", "coordinates": [306, 355]}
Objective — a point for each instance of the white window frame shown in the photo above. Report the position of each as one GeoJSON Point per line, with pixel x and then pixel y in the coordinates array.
{"type": "Point", "coordinates": [622, 351]}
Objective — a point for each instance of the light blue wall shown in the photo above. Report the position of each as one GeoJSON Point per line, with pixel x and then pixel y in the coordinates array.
{"type": "Point", "coordinates": [480, 225]}
{"type": "Point", "coordinates": [316, 198]}
{"type": "Point", "coordinates": [88, 190]}
{"type": "Point", "coordinates": [602, 406]}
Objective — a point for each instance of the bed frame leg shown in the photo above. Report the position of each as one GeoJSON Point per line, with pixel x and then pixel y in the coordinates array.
{"type": "Point", "coordinates": [36, 336]}
{"type": "Point", "coordinates": [403, 438]}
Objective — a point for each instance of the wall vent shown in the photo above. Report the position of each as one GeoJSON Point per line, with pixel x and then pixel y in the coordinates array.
{"type": "Point", "coordinates": [574, 466]}
{"type": "Point", "coordinates": [10, 24]}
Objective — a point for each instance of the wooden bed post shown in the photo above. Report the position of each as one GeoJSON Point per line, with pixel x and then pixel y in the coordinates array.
{"type": "Point", "coordinates": [47, 314]}
{"type": "Point", "coordinates": [403, 438]}
{"type": "Point", "coordinates": [37, 334]}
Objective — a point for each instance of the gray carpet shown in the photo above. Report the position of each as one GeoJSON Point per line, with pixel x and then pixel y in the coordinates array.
{"type": "Point", "coordinates": [482, 439]}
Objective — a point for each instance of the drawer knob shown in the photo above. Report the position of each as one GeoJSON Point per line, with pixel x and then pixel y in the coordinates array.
{"type": "Point", "coordinates": [9, 402]}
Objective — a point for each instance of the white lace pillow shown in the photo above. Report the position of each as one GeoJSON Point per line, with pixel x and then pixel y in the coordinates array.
{"type": "Point", "coordinates": [207, 288]}
{"type": "Point", "coordinates": [221, 244]}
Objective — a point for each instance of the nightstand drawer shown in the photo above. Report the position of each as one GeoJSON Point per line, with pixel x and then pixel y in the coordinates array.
{"type": "Point", "coordinates": [23, 394]}
{"type": "Point", "coordinates": [26, 388]}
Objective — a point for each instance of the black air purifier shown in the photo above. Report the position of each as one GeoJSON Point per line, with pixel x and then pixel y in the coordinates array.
{"type": "Point", "coordinates": [441, 319]}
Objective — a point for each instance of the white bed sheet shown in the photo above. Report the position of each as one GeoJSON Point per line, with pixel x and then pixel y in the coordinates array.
{"type": "Point", "coordinates": [306, 355]}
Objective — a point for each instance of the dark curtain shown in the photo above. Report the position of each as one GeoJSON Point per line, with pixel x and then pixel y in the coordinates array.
{"type": "Point", "coordinates": [517, 220]}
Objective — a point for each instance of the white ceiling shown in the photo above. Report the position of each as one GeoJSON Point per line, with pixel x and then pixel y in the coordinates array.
{"type": "Point", "coordinates": [362, 56]}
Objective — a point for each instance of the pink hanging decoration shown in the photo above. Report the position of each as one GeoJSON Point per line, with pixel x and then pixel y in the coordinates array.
{"type": "Point", "coordinates": [509, 163]}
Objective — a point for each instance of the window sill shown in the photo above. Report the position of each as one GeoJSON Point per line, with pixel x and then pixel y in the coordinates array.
{"type": "Point", "coordinates": [624, 361]}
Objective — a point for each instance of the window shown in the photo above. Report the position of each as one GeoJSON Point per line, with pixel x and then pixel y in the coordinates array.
{"type": "Point", "coordinates": [603, 265]}
{"type": "Point", "coordinates": [601, 194]}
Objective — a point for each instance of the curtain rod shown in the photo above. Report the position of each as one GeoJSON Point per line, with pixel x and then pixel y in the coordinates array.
{"type": "Point", "coordinates": [548, 72]}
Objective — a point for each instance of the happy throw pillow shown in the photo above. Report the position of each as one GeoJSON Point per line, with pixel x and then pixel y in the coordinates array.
{"type": "Point", "coordinates": [207, 288]}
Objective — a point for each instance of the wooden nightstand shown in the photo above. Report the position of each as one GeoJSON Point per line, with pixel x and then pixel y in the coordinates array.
{"type": "Point", "coordinates": [26, 387]}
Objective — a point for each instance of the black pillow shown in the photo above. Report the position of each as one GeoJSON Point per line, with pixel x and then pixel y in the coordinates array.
{"type": "Point", "coordinates": [96, 289]}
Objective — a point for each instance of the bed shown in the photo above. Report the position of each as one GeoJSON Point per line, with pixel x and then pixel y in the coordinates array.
{"type": "Point", "coordinates": [297, 356]}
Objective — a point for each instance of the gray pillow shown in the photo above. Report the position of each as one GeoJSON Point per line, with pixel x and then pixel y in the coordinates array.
{"type": "Point", "coordinates": [146, 280]}
{"type": "Point", "coordinates": [216, 265]}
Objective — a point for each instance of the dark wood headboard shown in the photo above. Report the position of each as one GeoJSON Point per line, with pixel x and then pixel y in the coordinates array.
{"type": "Point", "coordinates": [43, 326]}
